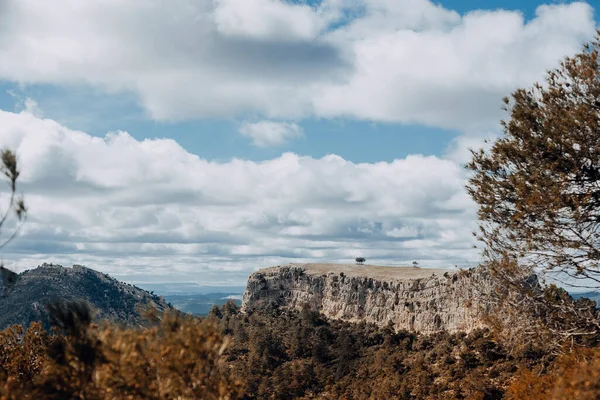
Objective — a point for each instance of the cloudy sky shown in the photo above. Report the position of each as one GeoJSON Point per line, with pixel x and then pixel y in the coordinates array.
{"type": "Point", "coordinates": [199, 140]}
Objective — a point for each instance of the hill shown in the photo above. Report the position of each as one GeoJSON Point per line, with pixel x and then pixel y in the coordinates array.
{"type": "Point", "coordinates": [594, 296]}
{"type": "Point", "coordinates": [201, 304]}
{"type": "Point", "coordinates": [193, 298]}
{"type": "Point", "coordinates": [416, 299]}
{"type": "Point", "coordinates": [25, 301]}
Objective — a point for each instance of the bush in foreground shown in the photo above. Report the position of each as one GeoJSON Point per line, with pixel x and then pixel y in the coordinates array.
{"type": "Point", "coordinates": [178, 358]}
{"type": "Point", "coordinates": [279, 354]}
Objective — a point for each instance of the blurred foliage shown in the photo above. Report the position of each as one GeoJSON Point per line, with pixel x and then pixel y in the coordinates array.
{"type": "Point", "coordinates": [178, 358]}
{"type": "Point", "coordinates": [277, 353]}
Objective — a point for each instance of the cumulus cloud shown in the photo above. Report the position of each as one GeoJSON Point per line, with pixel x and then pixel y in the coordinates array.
{"type": "Point", "coordinates": [270, 133]}
{"type": "Point", "coordinates": [449, 71]}
{"type": "Point", "coordinates": [267, 19]}
{"type": "Point", "coordinates": [383, 60]}
{"type": "Point", "coordinates": [459, 149]}
{"type": "Point", "coordinates": [32, 107]}
{"type": "Point", "coordinates": [148, 208]}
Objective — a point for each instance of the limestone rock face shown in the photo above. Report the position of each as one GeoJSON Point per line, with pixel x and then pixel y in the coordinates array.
{"type": "Point", "coordinates": [416, 299]}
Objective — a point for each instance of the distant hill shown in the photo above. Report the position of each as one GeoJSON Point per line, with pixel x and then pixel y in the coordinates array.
{"type": "Point", "coordinates": [201, 304]}
{"type": "Point", "coordinates": [25, 300]}
{"type": "Point", "coordinates": [188, 288]}
{"type": "Point", "coordinates": [195, 299]}
{"type": "Point", "coordinates": [595, 296]}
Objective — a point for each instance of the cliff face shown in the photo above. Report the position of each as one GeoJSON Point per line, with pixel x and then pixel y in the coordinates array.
{"type": "Point", "coordinates": [422, 300]}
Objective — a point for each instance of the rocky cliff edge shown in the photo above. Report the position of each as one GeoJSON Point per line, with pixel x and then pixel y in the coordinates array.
{"type": "Point", "coordinates": [416, 299]}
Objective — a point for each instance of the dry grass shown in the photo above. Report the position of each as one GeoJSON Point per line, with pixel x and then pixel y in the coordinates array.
{"type": "Point", "coordinates": [368, 271]}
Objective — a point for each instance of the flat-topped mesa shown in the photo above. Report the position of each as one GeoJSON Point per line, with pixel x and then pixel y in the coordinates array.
{"type": "Point", "coordinates": [416, 299]}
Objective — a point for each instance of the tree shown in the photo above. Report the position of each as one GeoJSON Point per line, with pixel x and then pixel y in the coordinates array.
{"type": "Point", "coordinates": [360, 260]}
{"type": "Point", "coordinates": [538, 187]}
{"type": "Point", "coordinates": [415, 264]}
{"type": "Point", "coordinates": [16, 207]}
{"type": "Point", "coordinates": [538, 191]}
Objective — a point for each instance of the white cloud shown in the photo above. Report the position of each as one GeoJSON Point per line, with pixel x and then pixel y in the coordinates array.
{"type": "Point", "coordinates": [32, 107]}
{"type": "Point", "coordinates": [270, 133]}
{"type": "Point", "coordinates": [382, 60]}
{"type": "Point", "coordinates": [403, 232]}
{"type": "Point", "coordinates": [459, 149]}
{"type": "Point", "coordinates": [150, 209]}
{"type": "Point", "coordinates": [454, 74]}
{"type": "Point", "coordinates": [267, 19]}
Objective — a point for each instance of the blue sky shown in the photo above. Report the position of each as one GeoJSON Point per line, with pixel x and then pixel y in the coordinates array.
{"type": "Point", "coordinates": [218, 138]}
{"type": "Point", "coordinates": [349, 121]}
{"type": "Point", "coordinates": [96, 112]}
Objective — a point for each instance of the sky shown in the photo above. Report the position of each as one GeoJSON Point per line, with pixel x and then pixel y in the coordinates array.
{"type": "Point", "coordinates": [199, 140]}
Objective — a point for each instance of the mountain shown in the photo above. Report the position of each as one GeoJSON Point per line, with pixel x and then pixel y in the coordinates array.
{"type": "Point", "coordinates": [24, 300]}
{"type": "Point", "coordinates": [195, 299]}
{"type": "Point", "coordinates": [188, 288]}
{"type": "Point", "coordinates": [201, 304]}
{"type": "Point", "coordinates": [594, 296]}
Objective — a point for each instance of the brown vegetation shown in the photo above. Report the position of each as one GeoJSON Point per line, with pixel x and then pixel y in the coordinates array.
{"type": "Point", "coordinates": [290, 354]}
{"type": "Point", "coordinates": [573, 376]}
{"type": "Point", "coordinates": [278, 354]}
{"type": "Point", "coordinates": [537, 187]}
{"type": "Point", "coordinates": [539, 204]}
{"type": "Point", "coordinates": [178, 358]}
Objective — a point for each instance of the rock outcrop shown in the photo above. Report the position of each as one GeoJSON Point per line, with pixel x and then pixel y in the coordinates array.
{"type": "Point", "coordinates": [416, 299]}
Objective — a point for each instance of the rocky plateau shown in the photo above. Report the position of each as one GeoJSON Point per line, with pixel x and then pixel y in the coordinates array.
{"type": "Point", "coordinates": [416, 299]}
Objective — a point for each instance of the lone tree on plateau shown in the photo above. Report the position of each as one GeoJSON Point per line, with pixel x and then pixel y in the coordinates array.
{"type": "Point", "coordinates": [360, 260]}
